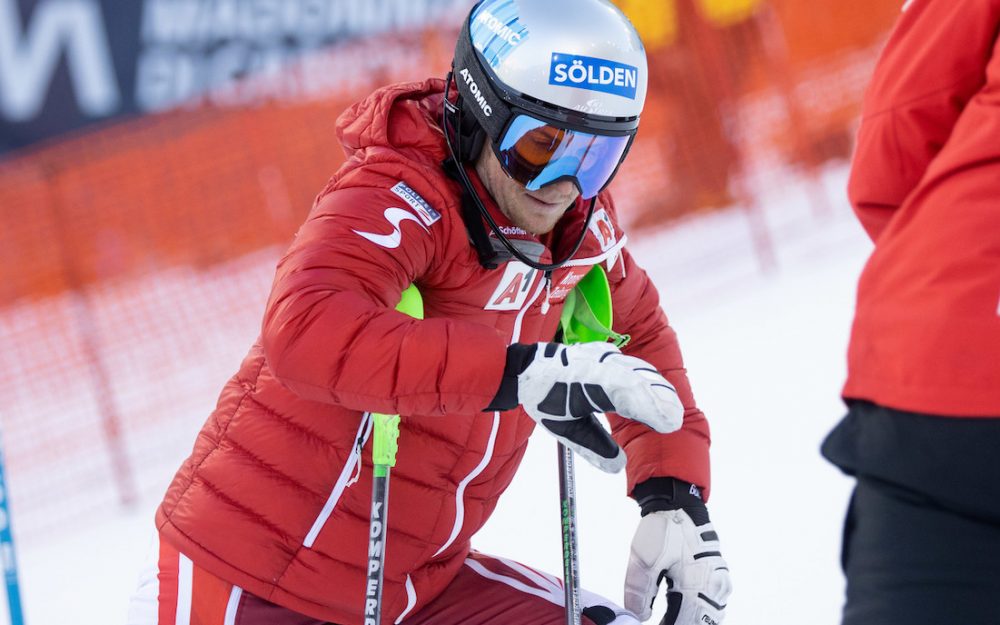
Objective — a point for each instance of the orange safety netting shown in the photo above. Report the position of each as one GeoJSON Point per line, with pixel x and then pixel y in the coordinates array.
{"type": "Point", "coordinates": [135, 258]}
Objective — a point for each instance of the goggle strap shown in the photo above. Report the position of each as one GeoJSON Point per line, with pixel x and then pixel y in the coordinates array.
{"type": "Point", "coordinates": [489, 257]}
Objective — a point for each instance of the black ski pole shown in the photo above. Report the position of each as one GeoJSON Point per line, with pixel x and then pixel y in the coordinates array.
{"type": "Point", "coordinates": [571, 563]}
{"type": "Point", "coordinates": [384, 446]}
{"type": "Point", "coordinates": [384, 458]}
{"type": "Point", "coordinates": [586, 316]}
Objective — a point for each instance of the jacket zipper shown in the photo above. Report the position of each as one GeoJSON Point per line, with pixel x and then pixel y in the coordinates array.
{"type": "Point", "coordinates": [546, 303]}
{"type": "Point", "coordinates": [349, 474]}
{"type": "Point", "coordinates": [488, 454]}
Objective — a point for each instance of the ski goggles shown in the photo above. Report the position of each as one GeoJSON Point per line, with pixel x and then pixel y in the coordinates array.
{"type": "Point", "coordinates": [536, 153]}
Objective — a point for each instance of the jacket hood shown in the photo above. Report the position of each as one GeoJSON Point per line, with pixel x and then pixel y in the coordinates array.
{"type": "Point", "coordinates": [404, 117]}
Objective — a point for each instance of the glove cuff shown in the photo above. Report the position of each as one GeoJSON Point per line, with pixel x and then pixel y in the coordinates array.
{"type": "Point", "coordinates": [519, 356]}
{"type": "Point", "coordinates": [667, 493]}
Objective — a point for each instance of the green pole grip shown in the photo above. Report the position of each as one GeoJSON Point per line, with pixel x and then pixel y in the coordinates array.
{"type": "Point", "coordinates": [385, 444]}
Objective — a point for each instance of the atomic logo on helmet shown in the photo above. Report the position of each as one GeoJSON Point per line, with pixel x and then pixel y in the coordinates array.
{"type": "Point", "coordinates": [476, 92]}
{"type": "Point", "coordinates": [498, 28]}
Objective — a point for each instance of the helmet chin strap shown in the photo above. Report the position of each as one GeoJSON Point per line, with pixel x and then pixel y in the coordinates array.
{"type": "Point", "coordinates": [488, 257]}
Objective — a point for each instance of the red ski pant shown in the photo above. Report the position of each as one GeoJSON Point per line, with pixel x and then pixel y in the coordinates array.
{"type": "Point", "coordinates": [487, 591]}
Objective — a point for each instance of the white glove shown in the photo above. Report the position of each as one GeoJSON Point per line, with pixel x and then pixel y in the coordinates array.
{"type": "Point", "coordinates": [669, 546]}
{"type": "Point", "coordinates": [564, 385]}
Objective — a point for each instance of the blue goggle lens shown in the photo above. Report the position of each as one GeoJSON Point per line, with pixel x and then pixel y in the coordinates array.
{"type": "Point", "coordinates": [536, 153]}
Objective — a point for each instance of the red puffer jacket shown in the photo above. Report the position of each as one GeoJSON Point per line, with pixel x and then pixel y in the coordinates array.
{"type": "Point", "coordinates": [275, 497]}
{"type": "Point", "coordinates": [925, 183]}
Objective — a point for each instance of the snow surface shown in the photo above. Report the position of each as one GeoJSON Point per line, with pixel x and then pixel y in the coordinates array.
{"type": "Point", "coordinates": [765, 350]}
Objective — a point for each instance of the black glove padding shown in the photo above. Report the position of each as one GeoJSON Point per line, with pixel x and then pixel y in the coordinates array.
{"type": "Point", "coordinates": [561, 387]}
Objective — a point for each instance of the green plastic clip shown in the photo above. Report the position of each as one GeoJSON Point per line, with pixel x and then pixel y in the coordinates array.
{"type": "Point", "coordinates": [587, 313]}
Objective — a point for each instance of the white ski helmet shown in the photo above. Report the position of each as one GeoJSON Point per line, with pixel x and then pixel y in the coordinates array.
{"type": "Point", "coordinates": [556, 85]}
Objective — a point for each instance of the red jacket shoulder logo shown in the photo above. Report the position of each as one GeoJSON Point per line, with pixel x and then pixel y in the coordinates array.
{"type": "Point", "coordinates": [392, 240]}
{"type": "Point", "coordinates": [425, 211]}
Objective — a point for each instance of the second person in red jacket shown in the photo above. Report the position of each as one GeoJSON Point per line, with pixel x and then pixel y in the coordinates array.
{"type": "Point", "coordinates": [922, 538]}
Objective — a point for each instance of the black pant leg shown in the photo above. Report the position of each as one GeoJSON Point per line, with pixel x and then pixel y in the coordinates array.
{"type": "Point", "coordinates": [922, 535]}
{"type": "Point", "coordinates": [909, 562]}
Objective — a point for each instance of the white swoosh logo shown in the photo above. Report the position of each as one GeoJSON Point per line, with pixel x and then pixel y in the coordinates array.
{"type": "Point", "coordinates": [395, 216]}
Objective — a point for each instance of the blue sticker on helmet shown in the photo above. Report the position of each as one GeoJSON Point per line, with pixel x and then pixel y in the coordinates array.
{"type": "Point", "coordinates": [496, 31]}
{"type": "Point", "coordinates": [587, 72]}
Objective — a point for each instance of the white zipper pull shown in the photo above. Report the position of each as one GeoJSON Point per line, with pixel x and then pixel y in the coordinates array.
{"type": "Point", "coordinates": [359, 446]}
{"type": "Point", "coordinates": [356, 477]}
{"type": "Point", "coordinates": [548, 293]}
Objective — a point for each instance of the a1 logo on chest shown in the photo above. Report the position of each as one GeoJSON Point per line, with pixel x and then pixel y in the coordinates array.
{"type": "Point", "coordinates": [513, 289]}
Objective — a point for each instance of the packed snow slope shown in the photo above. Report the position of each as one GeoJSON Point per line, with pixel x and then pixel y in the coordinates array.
{"type": "Point", "coordinates": [765, 350]}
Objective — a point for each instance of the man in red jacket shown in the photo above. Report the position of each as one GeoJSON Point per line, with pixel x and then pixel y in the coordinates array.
{"type": "Point", "coordinates": [922, 537]}
{"type": "Point", "coordinates": [486, 191]}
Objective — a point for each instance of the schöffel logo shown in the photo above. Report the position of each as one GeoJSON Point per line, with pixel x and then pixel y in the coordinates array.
{"type": "Point", "coordinates": [587, 72]}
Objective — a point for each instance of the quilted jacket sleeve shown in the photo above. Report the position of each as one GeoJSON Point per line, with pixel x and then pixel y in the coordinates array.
{"type": "Point", "coordinates": [933, 64]}
{"type": "Point", "coordinates": [331, 333]}
{"type": "Point", "coordinates": [682, 454]}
